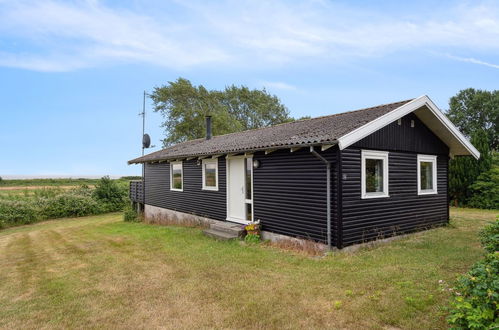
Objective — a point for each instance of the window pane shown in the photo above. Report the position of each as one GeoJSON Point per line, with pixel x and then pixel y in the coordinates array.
{"type": "Point", "coordinates": [249, 212]}
{"type": "Point", "coordinates": [374, 175]}
{"type": "Point", "coordinates": [248, 163]}
{"type": "Point", "coordinates": [426, 172]}
{"type": "Point", "coordinates": [177, 176]}
{"type": "Point", "coordinates": [210, 174]}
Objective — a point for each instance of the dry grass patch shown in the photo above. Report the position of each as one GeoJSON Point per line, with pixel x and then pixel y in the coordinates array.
{"type": "Point", "coordinates": [99, 272]}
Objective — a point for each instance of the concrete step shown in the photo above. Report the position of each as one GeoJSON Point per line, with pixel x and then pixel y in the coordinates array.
{"type": "Point", "coordinates": [228, 227]}
{"type": "Point", "coordinates": [220, 235]}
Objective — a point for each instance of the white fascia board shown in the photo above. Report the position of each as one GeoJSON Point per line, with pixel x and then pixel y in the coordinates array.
{"type": "Point", "coordinates": [380, 122]}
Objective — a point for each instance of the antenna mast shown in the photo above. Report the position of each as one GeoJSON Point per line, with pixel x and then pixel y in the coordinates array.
{"type": "Point", "coordinates": [143, 114]}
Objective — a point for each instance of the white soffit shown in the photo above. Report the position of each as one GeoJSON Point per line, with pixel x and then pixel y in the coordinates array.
{"type": "Point", "coordinates": [424, 108]}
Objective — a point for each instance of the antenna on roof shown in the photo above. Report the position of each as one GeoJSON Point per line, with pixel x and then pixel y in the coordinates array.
{"type": "Point", "coordinates": [146, 139]}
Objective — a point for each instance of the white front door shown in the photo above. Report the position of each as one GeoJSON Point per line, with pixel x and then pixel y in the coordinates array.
{"type": "Point", "coordinates": [237, 202]}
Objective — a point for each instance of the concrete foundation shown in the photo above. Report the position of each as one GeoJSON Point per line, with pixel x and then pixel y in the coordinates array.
{"type": "Point", "coordinates": [161, 216]}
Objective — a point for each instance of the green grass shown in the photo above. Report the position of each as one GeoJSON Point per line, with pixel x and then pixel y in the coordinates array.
{"type": "Point", "coordinates": [99, 272]}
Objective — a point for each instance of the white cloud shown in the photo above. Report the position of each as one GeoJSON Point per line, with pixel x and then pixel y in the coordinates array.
{"type": "Point", "coordinates": [278, 85]}
{"type": "Point", "coordinates": [52, 35]}
{"type": "Point", "coordinates": [472, 60]}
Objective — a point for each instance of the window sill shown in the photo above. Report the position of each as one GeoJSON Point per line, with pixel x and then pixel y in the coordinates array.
{"type": "Point", "coordinates": [375, 196]}
{"type": "Point", "coordinates": [210, 188]}
{"type": "Point", "coordinates": [172, 189]}
{"type": "Point", "coordinates": [432, 192]}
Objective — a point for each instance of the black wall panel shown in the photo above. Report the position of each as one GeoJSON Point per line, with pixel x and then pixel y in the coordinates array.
{"type": "Point", "coordinates": [193, 199]}
{"type": "Point", "coordinates": [290, 193]}
{"type": "Point", "coordinates": [404, 211]}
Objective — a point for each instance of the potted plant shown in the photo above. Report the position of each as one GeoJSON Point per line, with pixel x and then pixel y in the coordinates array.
{"type": "Point", "coordinates": [253, 228]}
{"type": "Point", "coordinates": [252, 232]}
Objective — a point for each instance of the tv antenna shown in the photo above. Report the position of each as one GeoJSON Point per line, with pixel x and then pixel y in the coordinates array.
{"type": "Point", "coordinates": [146, 139]}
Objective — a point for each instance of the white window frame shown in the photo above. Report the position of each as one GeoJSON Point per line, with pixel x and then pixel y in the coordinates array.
{"type": "Point", "coordinates": [171, 175]}
{"type": "Point", "coordinates": [209, 161]}
{"type": "Point", "coordinates": [433, 160]}
{"type": "Point", "coordinates": [371, 154]}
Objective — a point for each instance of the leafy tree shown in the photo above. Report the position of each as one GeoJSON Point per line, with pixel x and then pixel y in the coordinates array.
{"type": "Point", "coordinates": [485, 190]}
{"type": "Point", "coordinates": [464, 171]}
{"type": "Point", "coordinates": [476, 114]}
{"type": "Point", "coordinates": [233, 109]}
{"type": "Point", "coordinates": [473, 109]}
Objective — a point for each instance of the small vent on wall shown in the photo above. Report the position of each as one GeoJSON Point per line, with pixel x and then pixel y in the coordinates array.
{"type": "Point", "coordinates": [412, 123]}
{"type": "Point", "coordinates": [399, 122]}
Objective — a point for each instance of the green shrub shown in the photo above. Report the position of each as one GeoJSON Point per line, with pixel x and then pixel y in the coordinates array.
{"type": "Point", "coordinates": [112, 195]}
{"type": "Point", "coordinates": [40, 204]}
{"type": "Point", "coordinates": [252, 238]}
{"type": "Point", "coordinates": [485, 190]}
{"type": "Point", "coordinates": [130, 214]}
{"type": "Point", "coordinates": [71, 205]}
{"type": "Point", "coordinates": [18, 212]}
{"type": "Point", "coordinates": [476, 301]}
{"type": "Point", "coordinates": [476, 296]}
{"type": "Point", "coordinates": [489, 237]}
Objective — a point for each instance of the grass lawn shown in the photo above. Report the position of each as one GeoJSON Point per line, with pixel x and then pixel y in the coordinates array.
{"type": "Point", "coordinates": [99, 272]}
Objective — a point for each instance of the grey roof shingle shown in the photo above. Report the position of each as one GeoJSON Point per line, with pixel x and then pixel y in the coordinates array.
{"type": "Point", "coordinates": [313, 131]}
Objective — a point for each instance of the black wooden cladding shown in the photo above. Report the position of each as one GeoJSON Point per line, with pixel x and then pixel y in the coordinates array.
{"type": "Point", "coordinates": [405, 138]}
{"type": "Point", "coordinates": [290, 193]}
{"type": "Point", "coordinates": [404, 211]}
{"type": "Point", "coordinates": [193, 199]}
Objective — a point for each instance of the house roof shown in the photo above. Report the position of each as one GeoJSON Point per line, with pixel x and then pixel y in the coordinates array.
{"type": "Point", "coordinates": [343, 128]}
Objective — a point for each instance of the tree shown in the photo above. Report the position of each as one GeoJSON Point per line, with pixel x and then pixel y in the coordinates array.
{"type": "Point", "coordinates": [464, 171]}
{"type": "Point", "coordinates": [476, 114]}
{"type": "Point", "coordinates": [485, 190]}
{"type": "Point", "coordinates": [233, 109]}
{"type": "Point", "coordinates": [472, 110]}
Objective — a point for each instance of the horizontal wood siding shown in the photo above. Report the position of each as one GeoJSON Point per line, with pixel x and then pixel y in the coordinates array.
{"type": "Point", "coordinates": [403, 137]}
{"type": "Point", "coordinates": [404, 211]}
{"type": "Point", "coordinates": [290, 193]}
{"type": "Point", "coordinates": [193, 199]}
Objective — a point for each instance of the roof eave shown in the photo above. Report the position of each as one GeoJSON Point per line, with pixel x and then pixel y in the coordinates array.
{"type": "Point", "coordinates": [252, 150]}
{"type": "Point", "coordinates": [380, 122]}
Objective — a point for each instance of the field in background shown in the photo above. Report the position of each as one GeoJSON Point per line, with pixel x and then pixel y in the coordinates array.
{"type": "Point", "coordinates": [99, 272]}
{"type": "Point", "coordinates": [31, 200]}
{"type": "Point", "coordinates": [21, 183]}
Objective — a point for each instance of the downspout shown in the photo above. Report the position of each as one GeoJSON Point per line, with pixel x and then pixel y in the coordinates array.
{"type": "Point", "coordinates": [328, 193]}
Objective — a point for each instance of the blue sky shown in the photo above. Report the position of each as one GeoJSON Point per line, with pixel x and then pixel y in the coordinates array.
{"type": "Point", "coordinates": [72, 72]}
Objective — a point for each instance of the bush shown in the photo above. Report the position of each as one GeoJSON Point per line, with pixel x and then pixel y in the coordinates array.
{"type": "Point", "coordinates": [476, 298]}
{"type": "Point", "coordinates": [252, 238]}
{"type": "Point", "coordinates": [130, 214]}
{"type": "Point", "coordinates": [18, 212]}
{"type": "Point", "coordinates": [112, 195]}
{"type": "Point", "coordinates": [489, 237]}
{"type": "Point", "coordinates": [485, 191]}
{"type": "Point", "coordinates": [71, 205]}
{"type": "Point", "coordinates": [40, 204]}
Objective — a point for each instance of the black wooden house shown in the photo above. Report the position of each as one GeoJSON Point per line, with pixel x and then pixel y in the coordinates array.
{"type": "Point", "coordinates": [342, 179]}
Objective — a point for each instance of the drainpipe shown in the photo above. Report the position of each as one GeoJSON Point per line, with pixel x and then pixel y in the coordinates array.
{"type": "Point", "coordinates": [328, 193]}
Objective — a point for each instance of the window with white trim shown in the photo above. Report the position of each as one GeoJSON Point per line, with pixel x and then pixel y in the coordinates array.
{"type": "Point", "coordinates": [176, 176]}
{"type": "Point", "coordinates": [210, 174]}
{"type": "Point", "coordinates": [374, 175]}
{"type": "Point", "coordinates": [427, 174]}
